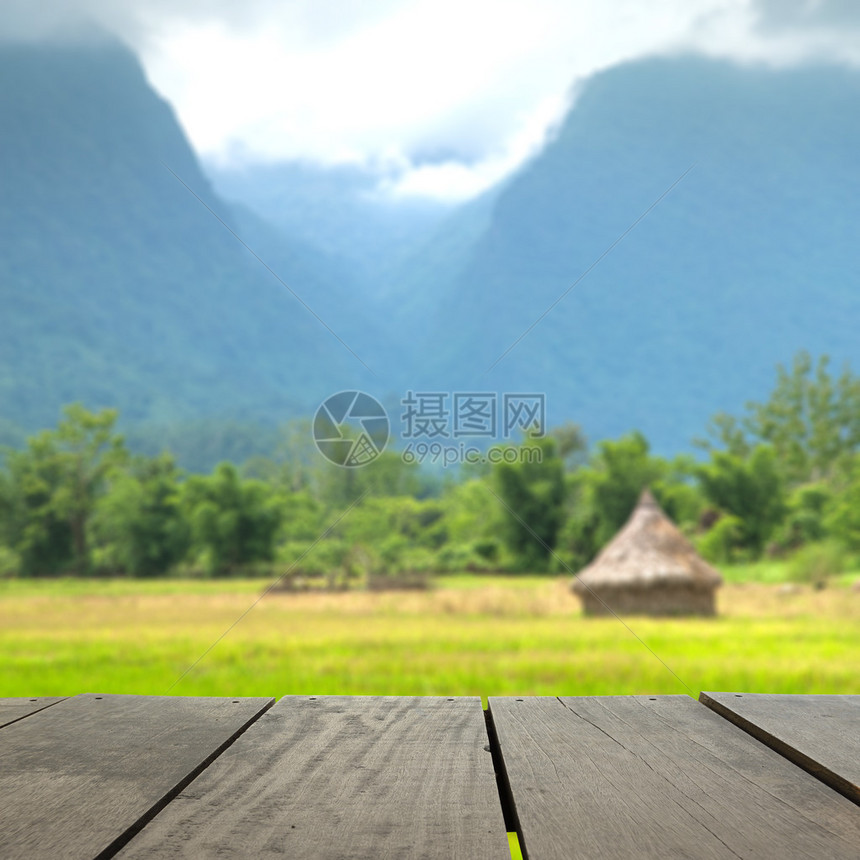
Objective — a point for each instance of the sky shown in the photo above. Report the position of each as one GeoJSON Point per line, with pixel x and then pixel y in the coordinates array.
{"type": "Point", "coordinates": [442, 97]}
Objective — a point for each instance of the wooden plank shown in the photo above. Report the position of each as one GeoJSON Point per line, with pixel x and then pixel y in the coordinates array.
{"type": "Point", "coordinates": [79, 777]}
{"type": "Point", "coordinates": [342, 777]}
{"type": "Point", "coordinates": [14, 709]}
{"type": "Point", "coordinates": [657, 777]}
{"type": "Point", "coordinates": [819, 733]}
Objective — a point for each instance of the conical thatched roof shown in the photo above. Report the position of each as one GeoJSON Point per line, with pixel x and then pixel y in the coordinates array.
{"type": "Point", "coordinates": [649, 551]}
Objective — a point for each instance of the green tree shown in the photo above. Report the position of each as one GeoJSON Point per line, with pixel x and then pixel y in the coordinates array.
{"type": "Point", "coordinates": [678, 492]}
{"type": "Point", "coordinates": [387, 475]}
{"type": "Point", "coordinates": [728, 433]}
{"type": "Point", "coordinates": [807, 508]}
{"type": "Point", "coordinates": [532, 490]}
{"type": "Point", "coordinates": [842, 518]}
{"type": "Point", "coordinates": [811, 419]}
{"type": "Point", "coordinates": [751, 489]}
{"type": "Point", "coordinates": [577, 539]}
{"type": "Point", "coordinates": [139, 523]}
{"type": "Point", "coordinates": [720, 544]}
{"type": "Point", "coordinates": [471, 528]}
{"type": "Point", "coordinates": [619, 472]}
{"type": "Point", "coordinates": [234, 523]}
{"type": "Point", "coordinates": [601, 495]}
{"type": "Point", "coordinates": [52, 489]}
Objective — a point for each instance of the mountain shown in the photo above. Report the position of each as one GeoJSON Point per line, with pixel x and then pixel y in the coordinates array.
{"type": "Point", "coordinates": [120, 286]}
{"type": "Point", "coordinates": [342, 211]}
{"type": "Point", "coordinates": [393, 251]}
{"type": "Point", "coordinates": [750, 257]}
{"type": "Point", "coordinates": [691, 224]}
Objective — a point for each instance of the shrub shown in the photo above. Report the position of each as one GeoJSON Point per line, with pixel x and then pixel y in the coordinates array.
{"type": "Point", "coordinates": [804, 522]}
{"type": "Point", "coordinates": [10, 563]}
{"type": "Point", "coordinates": [720, 545]}
{"type": "Point", "coordinates": [460, 557]}
{"type": "Point", "coordinates": [816, 563]}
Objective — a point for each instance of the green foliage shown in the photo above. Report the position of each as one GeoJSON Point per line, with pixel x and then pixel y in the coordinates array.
{"type": "Point", "coordinates": [842, 519]}
{"type": "Point", "coordinates": [416, 522]}
{"type": "Point", "coordinates": [721, 543]}
{"type": "Point", "coordinates": [139, 523]}
{"type": "Point", "coordinates": [481, 556]}
{"type": "Point", "coordinates": [727, 431]}
{"type": "Point", "coordinates": [73, 501]}
{"type": "Point", "coordinates": [301, 516]}
{"type": "Point", "coordinates": [577, 542]}
{"type": "Point", "coordinates": [750, 489]}
{"type": "Point", "coordinates": [10, 563]}
{"type": "Point", "coordinates": [678, 492]}
{"type": "Point", "coordinates": [233, 522]}
{"type": "Point", "coordinates": [331, 563]}
{"type": "Point", "coordinates": [601, 496]}
{"type": "Point", "coordinates": [387, 475]}
{"type": "Point", "coordinates": [805, 518]}
{"type": "Point", "coordinates": [471, 512]}
{"type": "Point", "coordinates": [532, 492]}
{"type": "Point", "coordinates": [620, 471]}
{"type": "Point", "coordinates": [787, 469]}
{"type": "Point", "coordinates": [817, 563]}
{"type": "Point", "coordinates": [811, 420]}
{"type": "Point", "coordinates": [52, 487]}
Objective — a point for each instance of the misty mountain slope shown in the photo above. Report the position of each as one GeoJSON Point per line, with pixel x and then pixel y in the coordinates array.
{"type": "Point", "coordinates": [751, 257]}
{"type": "Point", "coordinates": [415, 285]}
{"type": "Point", "coordinates": [332, 292]}
{"type": "Point", "coordinates": [118, 287]}
{"type": "Point", "coordinates": [395, 253]}
{"type": "Point", "coordinates": [341, 211]}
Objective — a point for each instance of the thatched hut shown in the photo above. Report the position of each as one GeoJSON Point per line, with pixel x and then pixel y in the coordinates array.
{"type": "Point", "coordinates": [648, 568]}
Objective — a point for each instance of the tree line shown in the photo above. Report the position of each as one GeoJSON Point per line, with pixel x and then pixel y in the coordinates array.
{"type": "Point", "coordinates": [782, 476]}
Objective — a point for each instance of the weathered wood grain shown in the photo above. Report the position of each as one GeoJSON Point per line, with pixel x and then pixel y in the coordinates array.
{"type": "Point", "coordinates": [658, 777]}
{"type": "Point", "coordinates": [14, 709]}
{"type": "Point", "coordinates": [819, 733]}
{"type": "Point", "coordinates": [77, 778]}
{"type": "Point", "coordinates": [342, 777]}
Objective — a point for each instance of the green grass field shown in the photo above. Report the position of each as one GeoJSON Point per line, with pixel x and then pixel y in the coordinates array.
{"type": "Point", "coordinates": [469, 636]}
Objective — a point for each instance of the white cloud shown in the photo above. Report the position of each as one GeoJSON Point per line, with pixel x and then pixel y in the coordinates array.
{"type": "Point", "coordinates": [451, 95]}
{"type": "Point", "coordinates": [482, 81]}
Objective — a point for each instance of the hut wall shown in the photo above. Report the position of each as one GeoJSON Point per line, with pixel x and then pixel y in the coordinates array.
{"type": "Point", "coordinates": [678, 599]}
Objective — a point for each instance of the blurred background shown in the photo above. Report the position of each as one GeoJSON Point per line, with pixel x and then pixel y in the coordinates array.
{"type": "Point", "coordinates": [213, 218]}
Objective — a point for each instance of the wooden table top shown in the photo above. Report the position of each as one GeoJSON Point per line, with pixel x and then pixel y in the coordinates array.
{"type": "Point", "coordinates": [733, 775]}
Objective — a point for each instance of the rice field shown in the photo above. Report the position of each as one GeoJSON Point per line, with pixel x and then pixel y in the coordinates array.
{"type": "Point", "coordinates": [473, 635]}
